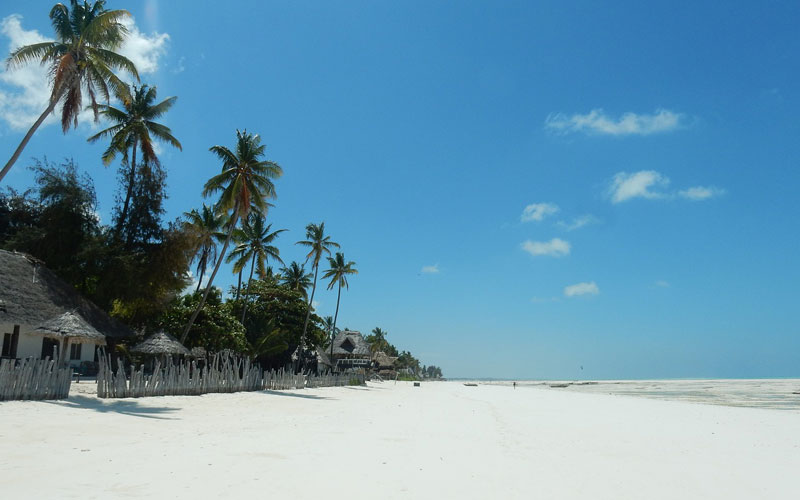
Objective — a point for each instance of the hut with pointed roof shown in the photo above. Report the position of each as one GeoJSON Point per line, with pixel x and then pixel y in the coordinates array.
{"type": "Point", "coordinates": [32, 296]}
{"type": "Point", "coordinates": [350, 351]}
{"type": "Point", "coordinates": [384, 364]}
{"type": "Point", "coordinates": [161, 343]}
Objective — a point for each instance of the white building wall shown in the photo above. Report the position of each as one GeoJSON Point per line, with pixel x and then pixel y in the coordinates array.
{"type": "Point", "coordinates": [30, 346]}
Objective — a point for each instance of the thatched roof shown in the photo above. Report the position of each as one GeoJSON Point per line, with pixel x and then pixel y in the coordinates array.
{"type": "Point", "coordinates": [322, 357]}
{"type": "Point", "coordinates": [349, 342]}
{"type": "Point", "coordinates": [160, 343]}
{"type": "Point", "coordinates": [72, 325]}
{"type": "Point", "coordinates": [384, 360]}
{"type": "Point", "coordinates": [31, 294]}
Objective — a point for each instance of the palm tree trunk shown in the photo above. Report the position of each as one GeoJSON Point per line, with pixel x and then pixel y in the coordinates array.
{"type": "Point", "coordinates": [247, 292]}
{"type": "Point", "coordinates": [202, 272]}
{"type": "Point", "coordinates": [131, 180]}
{"type": "Point", "coordinates": [335, 317]}
{"type": "Point", "coordinates": [15, 156]}
{"type": "Point", "coordinates": [239, 286]}
{"type": "Point", "coordinates": [213, 274]}
{"type": "Point", "coordinates": [308, 313]}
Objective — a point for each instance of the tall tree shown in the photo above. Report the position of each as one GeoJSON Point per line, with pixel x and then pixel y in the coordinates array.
{"type": "Point", "coordinates": [296, 278]}
{"type": "Point", "coordinates": [377, 341]}
{"type": "Point", "coordinates": [81, 58]}
{"type": "Point", "coordinates": [244, 184]}
{"type": "Point", "coordinates": [256, 246]}
{"type": "Point", "coordinates": [338, 272]}
{"type": "Point", "coordinates": [318, 244]}
{"type": "Point", "coordinates": [134, 128]}
{"type": "Point", "coordinates": [205, 228]}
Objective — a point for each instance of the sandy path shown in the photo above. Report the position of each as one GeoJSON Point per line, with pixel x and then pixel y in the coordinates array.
{"type": "Point", "coordinates": [442, 440]}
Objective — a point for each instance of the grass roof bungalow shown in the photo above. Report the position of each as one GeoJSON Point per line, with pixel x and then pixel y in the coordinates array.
{"type": "Point", "coordinates": [350, 351]}
{"type": "Point", "coordinates": [39, 311]}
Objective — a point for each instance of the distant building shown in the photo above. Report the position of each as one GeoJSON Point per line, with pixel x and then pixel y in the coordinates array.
{"type": "Point", "coordinates": [384, 364]}
{"type": "Point", "coordinates": [30, 295]}
{"type": "Point", "coordinates": [350, 351]}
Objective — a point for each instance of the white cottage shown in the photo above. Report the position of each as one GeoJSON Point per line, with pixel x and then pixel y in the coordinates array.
{"type": "Point", "coordinates": [31, 295]}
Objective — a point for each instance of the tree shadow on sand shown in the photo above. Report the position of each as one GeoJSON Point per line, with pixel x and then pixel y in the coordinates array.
{"type": "Point", "coordinates": [129, 407]}
{"type": "Point", "coordinates": [293, 395]}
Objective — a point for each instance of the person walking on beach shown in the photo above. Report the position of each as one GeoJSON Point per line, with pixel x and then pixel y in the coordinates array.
{"type": "Point", "coordinates": [515, 384]}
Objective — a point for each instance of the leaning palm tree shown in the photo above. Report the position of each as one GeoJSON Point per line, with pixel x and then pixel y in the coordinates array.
{"type": "Point", "coordinates": [318, 245]}
{"type": "Point", "coordinates": [256, 247]}
{"type": "Point", "coordinates": [204, 226]}
{"type": "Point", "coordinates": [296, 278]}
{"type": "Point", "coordinates": [338, 272]}
{"type": "Point", "coordinates": [132, 130]}
{"type": "Point", "coordinates": [244, 185]}
{"type": "Point", "coordinates": [81, 58]}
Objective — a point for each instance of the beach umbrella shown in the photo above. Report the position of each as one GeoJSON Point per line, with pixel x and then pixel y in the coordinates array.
{"type": "Point", "coordinates": [160, 343]}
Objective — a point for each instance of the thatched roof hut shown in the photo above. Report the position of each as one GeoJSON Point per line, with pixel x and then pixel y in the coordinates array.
{"type": "Point", "coordinates": [31, 294]}
{"type": "Point", "coordinates": [348, 343]}
{"type": "Point", "coordinates": [160, 343]}
{"type": "Point", "coordinates": [383, 360]}
{"type": "Point", "coordinates": [69, 325]}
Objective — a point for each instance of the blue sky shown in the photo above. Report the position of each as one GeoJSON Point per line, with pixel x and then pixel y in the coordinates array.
{"type": "Point", "coordinates": [530, 189]}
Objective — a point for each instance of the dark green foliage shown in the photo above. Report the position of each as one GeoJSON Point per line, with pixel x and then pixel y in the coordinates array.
{"type": "Point", "coordinates": [215, 328]}
{"type": "Point", "coordinates": [279, 313]}
{"type": "Point", "coordinates": [56, 223]}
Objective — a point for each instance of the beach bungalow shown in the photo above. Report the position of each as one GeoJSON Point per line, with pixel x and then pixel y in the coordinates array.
{"type": "Point", "coordinates": [350, 351]}
{"type": "Point", "coordinates": [384, 364]}
{"type": "Point", "coordinates": [34, 303]}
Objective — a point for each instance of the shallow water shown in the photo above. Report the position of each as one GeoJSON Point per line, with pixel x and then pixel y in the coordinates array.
{"type": "Point", "coordinates": [775, 394]}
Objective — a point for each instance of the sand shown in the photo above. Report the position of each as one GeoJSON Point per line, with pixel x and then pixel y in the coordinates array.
{"type": "Point", "coordinates": [441, 440]}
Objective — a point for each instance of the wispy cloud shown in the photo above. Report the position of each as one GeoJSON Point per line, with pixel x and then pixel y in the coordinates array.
{"type": "Point", "coordinates": [578, 222]}
{"type": "Point", "coordinates": [597, 122]}
{"type": "Point", "coordinates": [662, 284]}
{"type": "Point", "coordinates": [434, 269]}
{"type": "Point", "coordinates": [553, 248]}
{"type": "Point", "coordinates": [700, 193]}
{"type": "Point", "coordinates": [24, 91]}
{"type": "Point", "coordinates": [538, 211]}
{"type": "Point", "coordinates": [578, 289]}
{"type": "Point", "coordinates": [625, 186]}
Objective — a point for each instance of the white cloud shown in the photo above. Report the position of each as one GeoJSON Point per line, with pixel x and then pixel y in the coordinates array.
{"type": "Point", "coordinates": [180, 66]}
{"type": "Point", "coordinates": [191, 286]}
{"type": "Point", "coordinates": [699, 193]}
{"type": "Point", "coordinates": [578, 222]}
{"type": "Point", "coordinates": [24, 91]}
{"type": "Point", "coordinates": [434, 269]}
{"type": "Point", "coordinates": [553, 248]}
{"type": "Point", "coordinates": [315, 304]}
{"type": "Point", "coordinates": [586, 288]}
{"type": "Point", "coordinates": [538, 211]}
{"type": "Point", "coordinates": [662, 284]}
{"type": "Point", "coordinates": [596, 121]}
{"type": "Point", "coordinates": [625, 186]}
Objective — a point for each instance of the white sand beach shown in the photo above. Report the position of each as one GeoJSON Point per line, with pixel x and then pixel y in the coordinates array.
{"type": "Point", "coordinates": [440, 440]}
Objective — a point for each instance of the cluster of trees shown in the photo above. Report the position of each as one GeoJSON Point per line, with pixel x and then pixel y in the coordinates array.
{"type": "Point", "coordinates": [405, 360]}
{"type": "Point", "coordinates": [137, 267]}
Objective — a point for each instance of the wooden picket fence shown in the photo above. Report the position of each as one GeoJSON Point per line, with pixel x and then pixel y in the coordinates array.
{"type": "Point", "coordinates": [222, 372]}
{"type": "Point", "coordinates": [33, 379]}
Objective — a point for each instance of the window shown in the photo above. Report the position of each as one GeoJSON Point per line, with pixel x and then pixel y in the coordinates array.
{"type": "Point", "coordinates": [10, 341]}
{"type": "Point", "coordinates": [75, 351]}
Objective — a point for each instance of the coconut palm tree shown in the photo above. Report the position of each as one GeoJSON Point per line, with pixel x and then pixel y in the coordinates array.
{"type": "Point", "coordinates": [379, 341]}
{"type": "Point", "coordinates": [295, 278]}
{"type": "Point", "coordinates": [338, 272]}
{"type": "Point", "coordinates": [81, 58]}
{"type": "Point", "coordinates": [244, 185]}
{"type": "Point", "coordinates": [204, 227]}
{"type": "Point", "coordinates": [318, 244]}
{"type": "Point", "coordinates": [256, 247]}
{"type": "Point", "coordinates": [134, 129]}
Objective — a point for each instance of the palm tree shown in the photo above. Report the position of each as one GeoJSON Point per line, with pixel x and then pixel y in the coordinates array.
{"type": "Point", "coordinates": [256, 246]}
{"type": "Point", "coordinates": [132, 130]}
{"type": "Point", "coordinates": [81, 58]}
{"type": "Point", "coordinates": [296, 278]}
{"type": "Point", "coordinates": [379, 339]}
{"type": "Point", "coordinates": [205, 229]}
{"type": "Point", "coordinates": [338, 272]}
{"type": "Point", "coordinates": [318, 245]}
{"type": "Point", "coordinates": [244, 185]}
